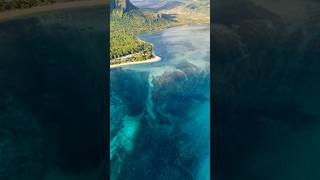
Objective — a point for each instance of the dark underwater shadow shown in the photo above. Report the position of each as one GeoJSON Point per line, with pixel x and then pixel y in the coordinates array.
{"type": "Point", "coordinates": [53, 96]}
{"type": "Point", "coordinates": [265, 96]}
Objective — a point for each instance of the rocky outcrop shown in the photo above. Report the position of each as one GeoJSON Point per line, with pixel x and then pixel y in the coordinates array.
{"type": "Point", "coordinates": [122, 5]}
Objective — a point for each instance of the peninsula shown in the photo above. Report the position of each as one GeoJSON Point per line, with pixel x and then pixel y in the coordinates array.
{"type": "Point", "coordinates": [127, 21]}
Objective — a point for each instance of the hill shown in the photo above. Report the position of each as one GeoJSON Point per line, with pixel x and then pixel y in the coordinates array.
{"type": "Point", "coordinates": [122, 5]}
{"type": "Point", "coordinates": [125, 22]}
{"type": "Point", "coordinates": [188, 12]}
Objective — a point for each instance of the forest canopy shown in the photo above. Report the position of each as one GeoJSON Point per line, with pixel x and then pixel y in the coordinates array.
{"type": "Point", "coordinates": [124, 27]}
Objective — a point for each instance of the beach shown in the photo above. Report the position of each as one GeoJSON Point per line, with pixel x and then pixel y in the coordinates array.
{"type": "Point", "coordinates": [152, 60]}
{"type": "Point", "coordinates": [12, 14]}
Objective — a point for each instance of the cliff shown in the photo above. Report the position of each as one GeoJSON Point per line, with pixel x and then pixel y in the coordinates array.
{"type": "Point", "coordinates": [122, 5]}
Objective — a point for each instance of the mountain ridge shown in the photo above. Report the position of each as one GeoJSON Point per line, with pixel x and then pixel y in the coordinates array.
{"type": "Point", "coordinates": [122, 5]}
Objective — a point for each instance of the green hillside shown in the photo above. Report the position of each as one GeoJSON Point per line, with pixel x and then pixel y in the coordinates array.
{"type": "Point", "coordinates": [122, 5]}
{"type": "Point", "coordinates": [126, 21]}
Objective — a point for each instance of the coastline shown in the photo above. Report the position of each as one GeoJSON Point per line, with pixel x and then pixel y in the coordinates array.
{"type": "Point", "coordinates": [13, 14]}
{"type": "Point", "coordinates": [152, 60]}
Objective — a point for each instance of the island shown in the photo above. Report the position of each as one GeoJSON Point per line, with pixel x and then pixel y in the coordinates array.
{"type": "Point", "coordinates": [149, 103]}
{"type": "Point", "coordinates": [127, 20]}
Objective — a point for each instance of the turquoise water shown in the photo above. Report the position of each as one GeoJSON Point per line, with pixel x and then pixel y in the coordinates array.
{"type": "Point", "coordinates": [160, 117]}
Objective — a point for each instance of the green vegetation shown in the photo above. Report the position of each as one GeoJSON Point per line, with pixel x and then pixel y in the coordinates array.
{"type": "Point", "coordinates": [127, 20]}
{"type": "Point", "coordinates": [124, 45]}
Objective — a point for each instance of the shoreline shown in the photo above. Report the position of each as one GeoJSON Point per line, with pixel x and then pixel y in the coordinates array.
{"type": "Point", "coordinates": [155, 58]}
{"type": "Point", "coordinates": [148, 61]}
{"type": "Point", "coordinates": [152, 60]}
{"type": "Point", "coordinates": [20, 13]}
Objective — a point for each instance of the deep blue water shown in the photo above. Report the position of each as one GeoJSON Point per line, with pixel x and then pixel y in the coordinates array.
{"type": "Point", "coordinates": [266, 95]}
{"type": "Point", "coordinates": [160, 117]}
{"type": "Point", "coordinates": [53, 96]}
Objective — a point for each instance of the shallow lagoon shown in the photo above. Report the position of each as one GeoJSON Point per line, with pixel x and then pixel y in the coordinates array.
{"type": "Point", "coordinates": [160, 117]}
